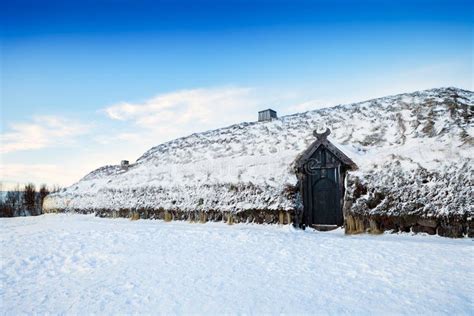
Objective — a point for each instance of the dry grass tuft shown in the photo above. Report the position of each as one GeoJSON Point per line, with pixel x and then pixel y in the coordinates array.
{"type": "Point", "coordinates": [202, 217]}
{"type": "Point", "coordinates": [374, 229]}
{"type": "Point", "coordinates": [354, 225]}
{"type": "Point", "coordinates": [230, 219]}
{"type": "Point", "coordinates": [281, 218]}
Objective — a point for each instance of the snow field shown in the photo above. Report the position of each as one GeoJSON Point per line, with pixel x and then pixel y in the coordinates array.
{"type": "Point", "coordinates": [62, 263]}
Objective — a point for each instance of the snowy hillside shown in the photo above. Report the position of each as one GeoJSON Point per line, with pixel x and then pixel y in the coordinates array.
{"type": "Point", "coordinates": [419, 142]}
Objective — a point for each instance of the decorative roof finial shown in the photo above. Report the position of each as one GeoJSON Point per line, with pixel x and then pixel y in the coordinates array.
{"type": "Point", "coordinates": [322, 136]}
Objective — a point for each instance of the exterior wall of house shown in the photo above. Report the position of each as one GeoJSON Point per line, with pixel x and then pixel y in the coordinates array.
{"type": "Point", "coordinates": [371, 209]}
{"type": "Point", "coordinates": [257, 216]}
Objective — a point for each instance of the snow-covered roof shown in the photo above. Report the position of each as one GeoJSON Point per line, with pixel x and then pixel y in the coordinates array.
{"type": "Point", "coordinates": [249, 165]}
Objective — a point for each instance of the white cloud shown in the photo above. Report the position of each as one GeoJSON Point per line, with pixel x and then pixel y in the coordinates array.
{"type": "Point", "coordinates": [178, 113]}
{"type": "Point", "coordinates": [12, 174]}
{"type": "Point", "coordinates": [40, 132]}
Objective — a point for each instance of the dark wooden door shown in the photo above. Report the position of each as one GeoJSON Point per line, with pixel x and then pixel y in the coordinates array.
{"type": "Point", "coordinates": [326, 209]}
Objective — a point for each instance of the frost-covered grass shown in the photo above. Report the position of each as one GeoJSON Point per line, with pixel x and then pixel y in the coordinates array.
{"type": "Point", "coordinates": [83, 264]}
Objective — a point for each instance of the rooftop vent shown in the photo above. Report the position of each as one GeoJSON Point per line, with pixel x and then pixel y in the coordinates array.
{"type": "Point", "coordinates": [124, 164]}
{"type": "Point", "coordinates": [267, 115]}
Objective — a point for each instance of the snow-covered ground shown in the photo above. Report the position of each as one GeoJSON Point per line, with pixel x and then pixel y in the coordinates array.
{"type": "Point", "coordinates": [83, 264]}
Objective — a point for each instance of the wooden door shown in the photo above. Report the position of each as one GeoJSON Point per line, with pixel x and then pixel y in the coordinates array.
{"type": "Point", "coordinates": [326, 209]}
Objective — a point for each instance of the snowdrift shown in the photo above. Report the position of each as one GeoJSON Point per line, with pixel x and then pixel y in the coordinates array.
{"type": "Point", "coordinates": [414, 153]}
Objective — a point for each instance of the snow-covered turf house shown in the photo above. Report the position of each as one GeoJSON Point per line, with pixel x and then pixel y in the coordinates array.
{"type": "Point", "coordinates": [401, 163]}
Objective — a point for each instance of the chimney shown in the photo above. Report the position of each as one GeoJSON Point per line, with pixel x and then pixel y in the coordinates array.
{"type": "Point", "coordinates": [124, 164]}
{"type": "Point", "coordinates": [267, 115]}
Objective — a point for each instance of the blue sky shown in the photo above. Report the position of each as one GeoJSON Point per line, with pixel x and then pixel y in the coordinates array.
{"type": "Point", "coordinates": [87, 83]}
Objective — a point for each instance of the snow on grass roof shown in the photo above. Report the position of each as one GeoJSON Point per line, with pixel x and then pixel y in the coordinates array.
{"type": "Point", "coordinates": [250, 165]}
